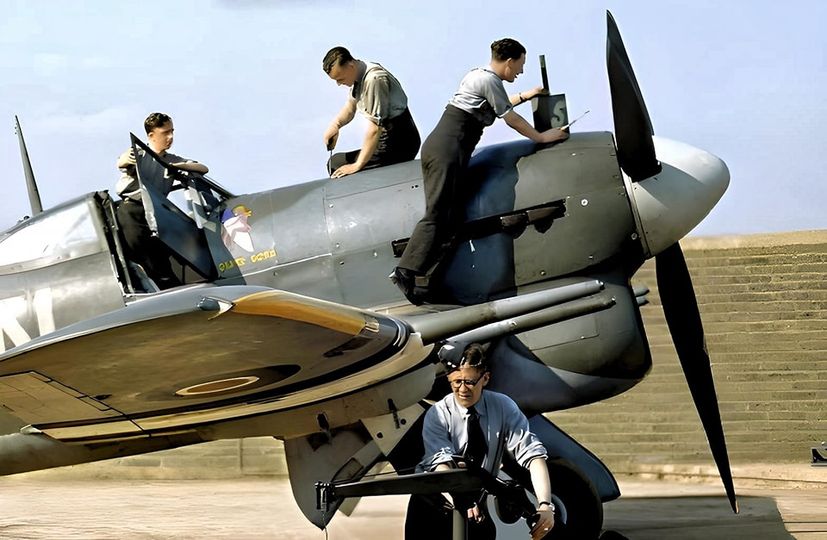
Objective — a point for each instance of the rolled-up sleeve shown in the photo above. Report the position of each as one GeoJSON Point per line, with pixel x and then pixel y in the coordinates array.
{"type": "Point", "coordinates": [496, 96]}
{"type": "Point", "coordinates": [376, 98]}
{"type": "Point", "coordinates": [437, 439]}
{"type": "Point", "coordinates": [521, 442]}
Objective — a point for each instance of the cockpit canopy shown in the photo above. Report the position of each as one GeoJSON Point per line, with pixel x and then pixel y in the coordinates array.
{"type": "Point", "coordinates": [65, 233]}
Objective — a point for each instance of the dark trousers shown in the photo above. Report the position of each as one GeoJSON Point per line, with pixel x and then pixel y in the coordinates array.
{"type": "Point", "coordinates": [142, 247]}
{"type": "Point", "coordinates": [429, 519]}
{"type": "Point", "coordinates": [398, 142]}
{"type": "Point", "coordinates": [445, 157]}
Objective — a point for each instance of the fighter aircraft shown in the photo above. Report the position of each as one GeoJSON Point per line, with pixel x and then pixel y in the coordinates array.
{"type": "Point", "coordinates": [288, 325]}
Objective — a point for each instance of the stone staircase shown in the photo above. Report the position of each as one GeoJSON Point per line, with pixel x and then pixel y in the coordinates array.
{"type": "Point", "coordinates": [763, 302]}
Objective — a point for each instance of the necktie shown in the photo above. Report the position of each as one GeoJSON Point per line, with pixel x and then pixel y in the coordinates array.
{"type": "Point", "coordinates": [477, 446]}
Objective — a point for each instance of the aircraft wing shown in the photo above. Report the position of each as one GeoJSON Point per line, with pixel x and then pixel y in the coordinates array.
{"type": "Point", "coordinates": [199, 355]}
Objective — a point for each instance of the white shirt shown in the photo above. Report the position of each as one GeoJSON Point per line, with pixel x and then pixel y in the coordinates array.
{"type": "Point", "coordinates": [503, 423]}
{"type": "Point", "coordinates": [378, 95]}
{"type": "Point", "coordinates": [482, 94]}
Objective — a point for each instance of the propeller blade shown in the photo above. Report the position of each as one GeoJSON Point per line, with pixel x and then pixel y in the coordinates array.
{"type": "Point", "coordinates": [633, 128]}
{"type": "Point", "coordinates": [681, 310]}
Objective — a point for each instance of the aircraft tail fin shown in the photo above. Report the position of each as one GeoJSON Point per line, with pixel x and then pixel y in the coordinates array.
{"type": "Point", "coordinates": [34, 194]}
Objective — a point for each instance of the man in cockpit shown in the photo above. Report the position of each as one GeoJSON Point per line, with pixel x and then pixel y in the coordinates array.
{"type": "Point", "coordinates": [391, 135]}
{"type": "Point", "coordinates": [141, 246]}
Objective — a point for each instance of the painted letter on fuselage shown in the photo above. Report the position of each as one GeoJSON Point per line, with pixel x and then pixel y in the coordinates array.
{"type": "Point", "coordinates": [12, 310]}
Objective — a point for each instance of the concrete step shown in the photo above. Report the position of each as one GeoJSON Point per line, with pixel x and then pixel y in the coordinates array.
{"type": "Point", "coordinates": [815, 405]}
{"type": "Point", "coordinates": [767, 307]}
{"type": "Point", "coordinates": [713, 336]}
{"type": "Point", "coordinates": [659, 326]}
{"type": "Point", "coordinates": [735, 431]}
{"type": "Point", "coordinates": [789, 250]}
{"type": "Point", "coordinates": [650, 280]}
{"type": "Point", "coordinates": [745, 272]}
{"type": "Point", "coordinates": [754, 393]}
{"type": "Point", "coordinates": [711, 317]}
{"type": "Point", "coordinates": [701, 290]}
{"type": "Point", "coordinates": [755, 262]}
{"type": "Point", "coordinates": [749, 270]}
{"type": "Point", "coordinates": [717, 349]}
{"type": "Point", "coordinates": [730, 383]}
{"type": "Point", "coordinates": [815, 295]}
{"type": "Point", "coordinates": [666, 367]}
{"type": "Point", "coordinates": [618, 416]}
{"type": "Point", "coordinates": [812, 294]}
{"type": "Point", "coordinates": [728, 257]}
{"type": "Point", "coordinates": [807, 368]}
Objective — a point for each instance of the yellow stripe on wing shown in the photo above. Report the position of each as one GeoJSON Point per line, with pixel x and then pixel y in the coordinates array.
{"type": "Point", "coordinates": [298, 308]}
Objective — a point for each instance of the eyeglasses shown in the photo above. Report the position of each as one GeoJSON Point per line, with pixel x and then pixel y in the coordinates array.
{"type": "Point", "coordinates": [470, 383]}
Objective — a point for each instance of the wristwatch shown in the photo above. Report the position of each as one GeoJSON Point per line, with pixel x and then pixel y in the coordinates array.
{"type": "Point", "coordinates": [549, 504]}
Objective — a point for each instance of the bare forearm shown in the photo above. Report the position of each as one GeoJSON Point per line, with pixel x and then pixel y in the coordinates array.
{"type": "Point", "coordinates": [192, 166]}
{"type": "Point", "coordinates": [345, 115]}
{"type": "Point", "coordinates": [521, 126]}
{"type": "Point", "coordinates": [522, 97]}
{"type": "Point", "coordinates": [540, 479]}
{"type": "Point", "coordinates": [519, 98]}
{"type": "Point", "coordinates": [369, 145]}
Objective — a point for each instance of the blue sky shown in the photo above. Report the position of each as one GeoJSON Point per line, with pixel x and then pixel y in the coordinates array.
{"type": "Point", "coordinates": [745, 80]}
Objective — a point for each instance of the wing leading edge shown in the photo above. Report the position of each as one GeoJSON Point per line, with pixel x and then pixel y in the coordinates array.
{"type": "Point", "coordinates": [199, 355]}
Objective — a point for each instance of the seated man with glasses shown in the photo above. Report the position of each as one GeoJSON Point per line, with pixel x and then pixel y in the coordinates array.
{"type": "Point", "coordinates": [482, 426]}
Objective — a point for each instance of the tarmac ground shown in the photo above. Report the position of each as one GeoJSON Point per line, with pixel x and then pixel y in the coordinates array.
{"type": "Point", "coordinates": [258, 508]}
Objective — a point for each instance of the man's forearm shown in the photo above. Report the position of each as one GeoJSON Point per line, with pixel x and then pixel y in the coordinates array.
{"type": "Point", "coordinates": [345, 115]}
{"type": "Point", "coordinates": [521, 126]}
{"type": "Point", "coordinates": [369, 145]}
{"type": "Point", "coordinates": [519, 98]}
{"type": "Point", "coordinates": [192, 166]}
{"type": "Point", "coordinates": [540, 479]}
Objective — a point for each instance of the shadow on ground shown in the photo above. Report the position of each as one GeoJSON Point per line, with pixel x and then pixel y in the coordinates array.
{"type": "Point", "coordinates": [695, 517]}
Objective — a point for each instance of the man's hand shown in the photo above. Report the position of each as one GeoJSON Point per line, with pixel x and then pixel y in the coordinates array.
{"type": "Point", "coordinates": [544, 524]}
{"type": "Point", "coordinates": [475, 514]}
{"type": "Point", "coordinates": [126, 159]}
{"type": "Point", "coordinates": [554, 135]}
{"type": "Point", "coordinates": [534, 92]}
{"type": "Point", "coordinates": [331, 135]}
{"type": "Point", "coordinates": [345, 170]}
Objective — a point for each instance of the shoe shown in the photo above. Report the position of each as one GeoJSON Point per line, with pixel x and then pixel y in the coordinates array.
{"type": "Point", "coordinates": [414, 286]}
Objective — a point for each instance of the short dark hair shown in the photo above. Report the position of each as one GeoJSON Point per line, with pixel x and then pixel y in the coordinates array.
{"type": "Point", "coordinates": [155, 120]}
{"type": "Point", "coordinates": [474, 356]}
{"type": "Point", "coordinates": [506, 48]}
{"type": "Point", "coordinates": [337, 56]}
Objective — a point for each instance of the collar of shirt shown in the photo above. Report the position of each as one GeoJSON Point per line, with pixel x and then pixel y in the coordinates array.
{"type": "Point", "coordinates": [491, 71]}
{"type": "Point", "coordinates": [361, 70]}
{"type": "Point", "coordinates": [480, 406]}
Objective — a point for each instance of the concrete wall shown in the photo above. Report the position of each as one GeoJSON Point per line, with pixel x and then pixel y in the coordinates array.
{"type": "Point", "coordinates": [763, 300]}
